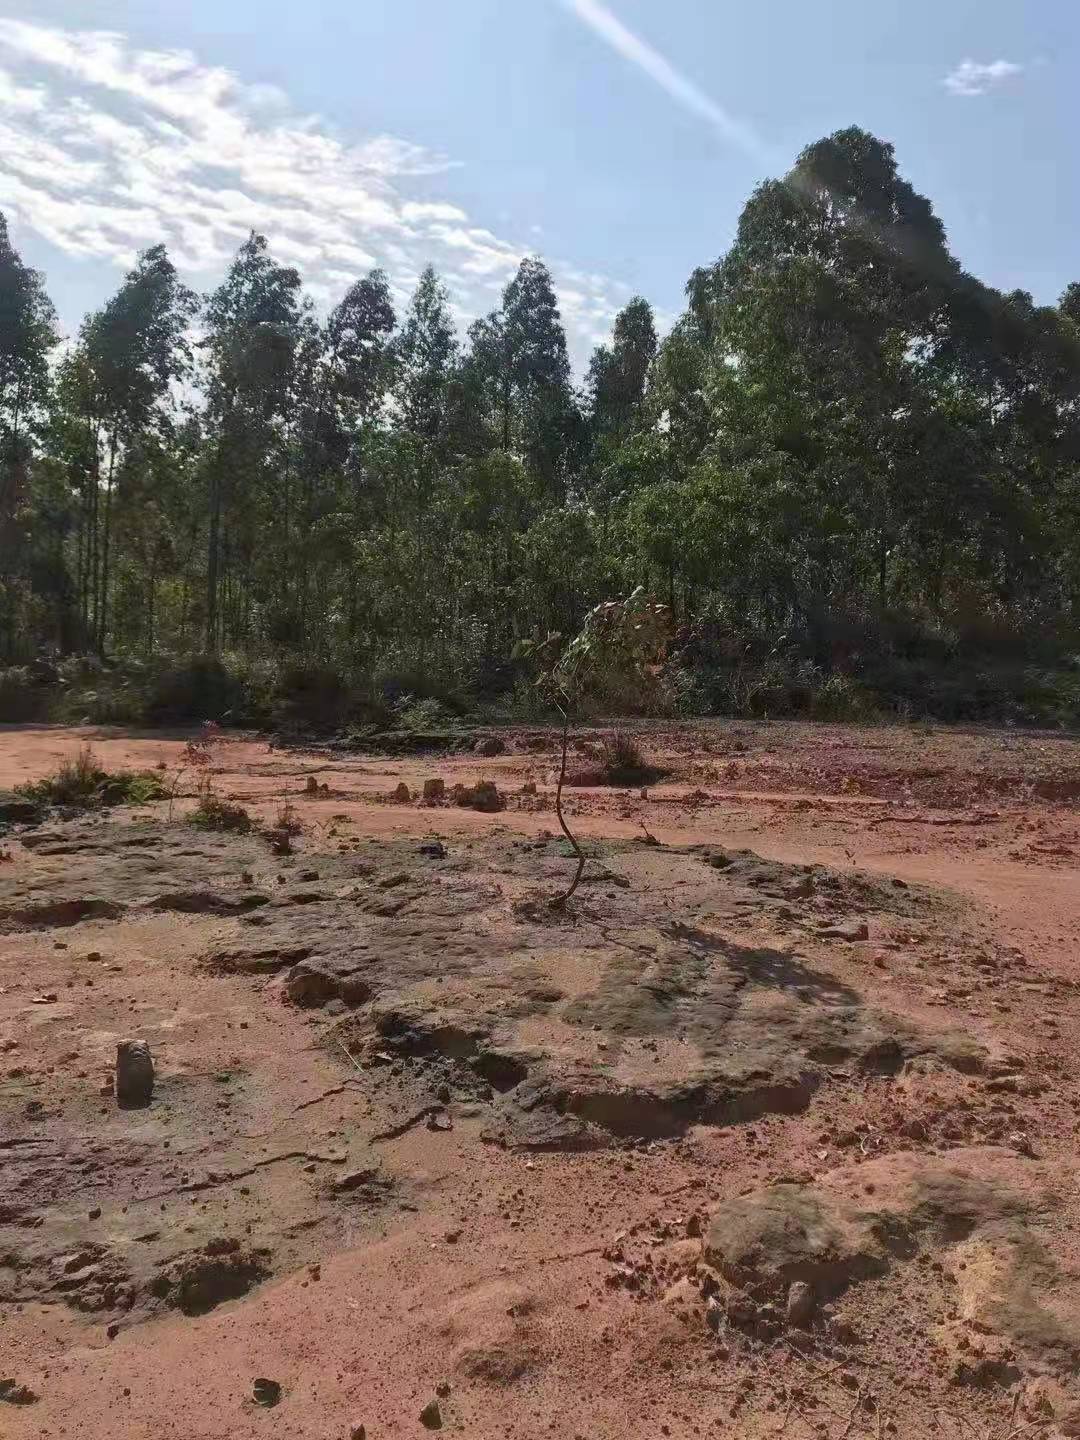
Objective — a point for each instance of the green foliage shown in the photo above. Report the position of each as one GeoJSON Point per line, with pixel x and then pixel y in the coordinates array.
{"type": "Point", "coordinates": [614, 658]}
{"type": "Point", "coordinates": [850, 474]}
{"type": "Point", "coordinates": [426, 714]}
{"type": "Point", "coordinates": [80, 782]}
{"type": "Point", "coordinates": [213, 813]}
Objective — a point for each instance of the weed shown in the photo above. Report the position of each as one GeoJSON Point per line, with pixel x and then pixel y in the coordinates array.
{"type": "Point", "coordinates": [426, 714]}
{"type": "Point", "coordinates": [287, 820]}
{"type": "Point", "coordinates": [623, 762]}
{"type": "Point", "coordinates": [213, 813]}
{"type": "Point", "coordinates": [82, 783]}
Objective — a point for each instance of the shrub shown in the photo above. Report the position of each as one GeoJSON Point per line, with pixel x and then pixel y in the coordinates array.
{"type": "Point", "coordinates": [310, 697]}
{"type": "Point", "coordinates": [82, 783]}
{"type": "Point", "coordinates": [622, 761]}
{"type": "Point", "coordinates": [427, 714]}
{"type": "Point", "coordinates": [287, 820]}
{"type": "Point", "coordinates": [22, 698]}
{"type": "Point", "coordinates": [213, 813]}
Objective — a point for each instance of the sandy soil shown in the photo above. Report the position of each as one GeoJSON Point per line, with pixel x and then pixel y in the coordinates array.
{"type": "Point", "coordinates": [426, 1154]}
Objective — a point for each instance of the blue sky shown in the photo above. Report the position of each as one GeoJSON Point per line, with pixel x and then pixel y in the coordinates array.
{"type": "Point", "coordinates": [618, 138]}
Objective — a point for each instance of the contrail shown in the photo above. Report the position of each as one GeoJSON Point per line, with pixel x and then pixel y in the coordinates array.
{"type": "Point", "coordinates": [691, 97]}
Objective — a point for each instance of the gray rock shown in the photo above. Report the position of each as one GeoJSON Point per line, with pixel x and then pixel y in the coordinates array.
{"type": "Point", "coordinates": [266, 1392]}
{"type": "Point", "coordinates": [134, 1073]}
{"type": "Point", "coordinates": [18, 809]}
{"type": "Point", "coordinates": [801, 1304]}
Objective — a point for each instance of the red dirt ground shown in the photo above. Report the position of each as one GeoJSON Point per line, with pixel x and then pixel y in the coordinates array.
{"type": "Point", "coordinates": [563, 1290]}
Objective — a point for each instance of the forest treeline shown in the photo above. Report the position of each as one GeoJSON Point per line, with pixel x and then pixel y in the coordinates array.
{"type": "Point", "coordinates": [851, 469]}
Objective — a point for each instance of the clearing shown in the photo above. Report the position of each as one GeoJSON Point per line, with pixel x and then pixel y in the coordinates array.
{"type": "Point", "coordinates": [773, 1133]}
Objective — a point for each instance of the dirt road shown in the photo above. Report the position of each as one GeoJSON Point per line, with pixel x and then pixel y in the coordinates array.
{"type": "Point", "coordinates": [775, 1133]}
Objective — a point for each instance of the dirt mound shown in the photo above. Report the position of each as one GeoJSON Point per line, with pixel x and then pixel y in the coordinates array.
{"type": "Point", "coordinates": [985, 1215]}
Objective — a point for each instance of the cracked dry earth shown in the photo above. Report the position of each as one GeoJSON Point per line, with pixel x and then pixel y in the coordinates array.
{"type": "Point", "coordinates": [774, 1134]}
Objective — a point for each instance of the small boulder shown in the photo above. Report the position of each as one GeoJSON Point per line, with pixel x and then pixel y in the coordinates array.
{"type": "Point", "coordinates": [431, 1416]}
{"type": "Point", "coordinates": [401, 794]}
{"type": "Point", "coordinates": [484, 795]}
{"type": "Point", "coordinates": [320, 978]}
{"type": "Point", "coordinates": [266, 1392]}
{"type": "Point", "coordinates": [857, 930]}
{"type": "Point", "coordinates": [16, 1394]}
{"type": "Point", "coordinates": [134, 1083]}
{"type": "Point", "coordinates": [801, 1304]}
{"type": "Point", "coordinates": [490, 745]}
{"type": "Point", "coordinates": [16, 809]}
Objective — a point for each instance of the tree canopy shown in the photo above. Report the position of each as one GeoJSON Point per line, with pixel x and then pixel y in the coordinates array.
{"type": "Point", "coordinates": [845, 441]}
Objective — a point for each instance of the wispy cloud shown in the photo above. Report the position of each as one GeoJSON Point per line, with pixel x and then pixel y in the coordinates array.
{"type": "Point", "coordinates": [638, 52]}
{"type": "Point", "coordinates": [108, 148]}
{"type": "Point", "coordinates": [976, 77]}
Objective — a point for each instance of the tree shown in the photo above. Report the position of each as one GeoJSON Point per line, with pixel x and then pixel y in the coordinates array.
{"type": "Point", "coordinates": [253, 323]}
{"type": "Point", "coordinates": [27, 334]}
{"type": "Point", "coordinates": [616, 653]}
{"type": "Point", "coordinates": [132, 354]}
{"type": "Point", "coordinates": [618, 373]}
{"type": "Point", "coordinates": [517, 378]}
{"type": "Point", "coordinates": [425, 355]}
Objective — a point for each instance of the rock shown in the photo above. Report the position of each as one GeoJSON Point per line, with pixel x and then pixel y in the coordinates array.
{"type": "Point", "coordinates": [266, 1392]}
{"type": "Point", "coordinates": [433, 849]}
{"type": "Point", "coordinates": [134, 1074]}
{"type": "Point", "coordinates": [443, 1389]}
{"type": "Point", "coordinates": [484, 795]}
{"type": "Point", "coordinates": [16, 1394]}
{"type": "Point", "coordinates": [357, 1432]}
{"type": "Point", "coordinates": [741, 1311]}
{"type": "Point", "coordinates": [489, 746]}
{"type": "Point", "coordinates": [851, 933]}
{"type": "Point", "coordinates": [326, 977]}
{"type": "Point", "coordinates": [800, 1304]}
{"type": "Point", "coordinates": [18, 810]}
{"type": "Point", "coordinates": [401, 795]}
{"type": "Point", "coordinates": [786, 1231]}
{"type": "Point", "coordinates": [431, 1416]}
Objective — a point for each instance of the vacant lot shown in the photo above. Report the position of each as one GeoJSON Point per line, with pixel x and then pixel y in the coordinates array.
{"type": "Point", "coordinates": [772, 1132]}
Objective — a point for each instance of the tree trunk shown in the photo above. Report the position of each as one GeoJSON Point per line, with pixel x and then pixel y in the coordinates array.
{"type": "Point", "coordinates": [103, 608]}
{"type": "Point", "coordinates": [213, 559]}
{"type": "Point", "coordinates": [561, 901]}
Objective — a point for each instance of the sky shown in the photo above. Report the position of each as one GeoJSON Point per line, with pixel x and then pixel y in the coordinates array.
{"type": "Point", "coordinates": [618, 139]}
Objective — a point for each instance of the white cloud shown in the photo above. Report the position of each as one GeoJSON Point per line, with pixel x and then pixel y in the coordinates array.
{"type": "Point", "coordinates": [108, 148]}
{"type": "Point", "coordinates": [659, 69]}
{"type": "Point", "coordinates": [974, 77]}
